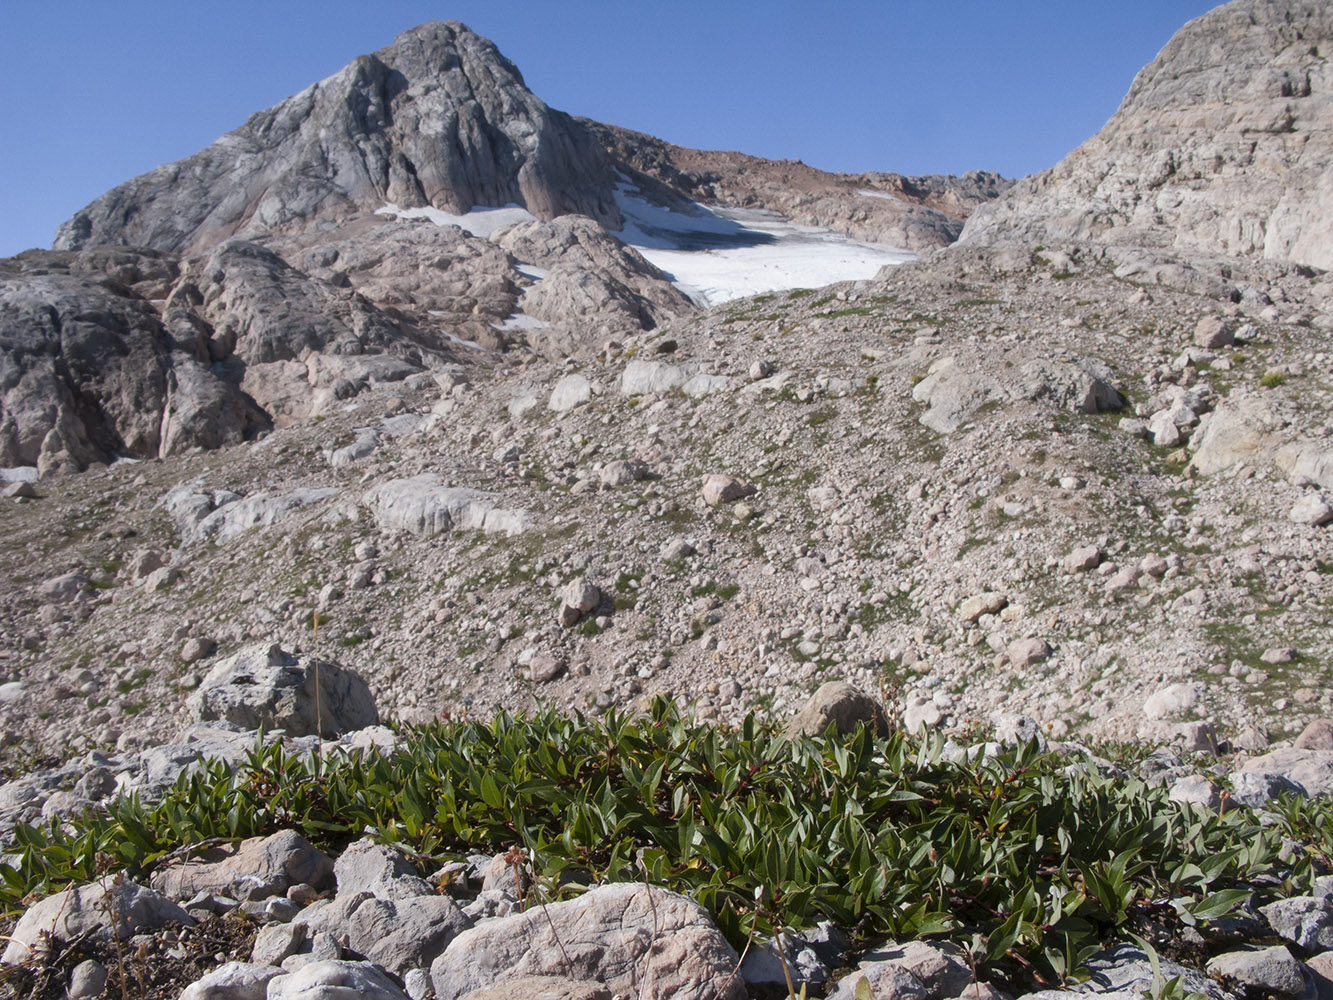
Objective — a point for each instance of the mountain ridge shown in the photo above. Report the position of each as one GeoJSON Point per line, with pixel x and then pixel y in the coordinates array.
{"type": "Point", "coordinates": [394, 117]}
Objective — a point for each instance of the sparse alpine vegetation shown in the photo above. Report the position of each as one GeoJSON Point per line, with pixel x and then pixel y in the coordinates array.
{"type": "Point", "coordinates": [1030, 860]}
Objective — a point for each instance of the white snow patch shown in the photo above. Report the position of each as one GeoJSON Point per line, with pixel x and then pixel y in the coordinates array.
{"type": "Point", "coordinates": [659, 228]}
{"type": "Point", "coordinates": [518, 321]}
{"type": "Point", "coordinates": [724, 254]}
{"type": "Point", "coordinates": [535, 273]}
{"type": "Point", "coordinates": [19, 474]}
{"type": "Point", "coordinates": [867, 193]}
{"type": "Point", "coordinates": [480, 221]}
{"type": "Point", "coordinates": [455, 339]}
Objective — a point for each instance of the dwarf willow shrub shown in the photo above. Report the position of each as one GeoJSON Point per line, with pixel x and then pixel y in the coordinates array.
{"type": "Point", "coordinates": [1023, 857]}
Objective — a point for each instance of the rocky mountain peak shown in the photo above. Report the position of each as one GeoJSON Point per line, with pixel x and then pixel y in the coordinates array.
{"type": "Point", "coordinates": [439, 118]}
{"type": "Point", "coordinates": [1222, 147]}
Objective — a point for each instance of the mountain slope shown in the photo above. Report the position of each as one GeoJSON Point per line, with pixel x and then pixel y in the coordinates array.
{"type": "Point", "coordinates": [1223, 146]}
{"type": "Point", "coordinates": [912, 213]}
{"type": "Point", "coordinates": [440, 118]}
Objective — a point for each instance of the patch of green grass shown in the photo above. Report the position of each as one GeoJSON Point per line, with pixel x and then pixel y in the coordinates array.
{"type": "Point", "coordinates": [971, 544]}
{"type": "Point", "coordinates": [1026, 862]}
{"type": "Point", "coordinates": [725, 591]}
{"type": "Point", "coordinates": [1271, 380]}
{"type": "Point", "coordinates": [820, 416]}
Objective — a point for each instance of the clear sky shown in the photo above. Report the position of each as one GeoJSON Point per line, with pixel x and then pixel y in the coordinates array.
{"type": "Point", "coordinates": [101, 90]}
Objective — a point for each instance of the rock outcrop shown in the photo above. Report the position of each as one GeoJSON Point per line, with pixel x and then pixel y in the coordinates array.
{"type": "Point", "coordinates": [89, 372]}
{"type": "Point", "coordinates": [133, 353]}
{"type": "Point", "coordinates": [1222, 147]}
{"type": "Point", "coordinates": [594, 286]}
{"type": "Point", "coordinates": [440, 118]}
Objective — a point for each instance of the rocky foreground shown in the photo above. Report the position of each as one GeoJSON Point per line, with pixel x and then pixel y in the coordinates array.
{"type": "Point", "coordinates": [299, 485]}
{"type": "Point", "coordinates": [275, 916]}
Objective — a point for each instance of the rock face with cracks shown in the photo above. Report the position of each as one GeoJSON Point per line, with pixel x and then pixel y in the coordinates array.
{"type": "Point", "coordinates": [1223, 146]}
{"type": "Point", "coordinates": [89, 371]}
{"type": "Point", "coordinates": [263, 685]}
{"type": "Point", "coordinates": [437, 119]}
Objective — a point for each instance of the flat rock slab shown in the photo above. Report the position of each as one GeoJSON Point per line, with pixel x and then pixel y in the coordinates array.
{"type": "Point", "coordinates": [636, 940]}
{"type": "Point", "coordinates": [1311, 769]}
{"type": "Point", "coordinates": [421, 506]}
{"type": "Point", "coordinates": [255, 869]}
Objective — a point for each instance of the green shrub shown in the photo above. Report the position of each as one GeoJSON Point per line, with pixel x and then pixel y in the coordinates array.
{"type": "Point", "coordinates": [1028, 859]}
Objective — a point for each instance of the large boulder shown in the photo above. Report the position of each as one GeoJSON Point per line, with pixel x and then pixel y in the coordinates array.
{"type": "Point", "coordinates": [578, 598]}
{"type": "Point", "coordinates": [569, 392]}
{"type": "Point", "coordinates": [1243, 428]}
{"type": "Point", "coordinates": [421, 506]}
{"type": "Point", "coordinates": [233, 981]}
{"type": "Point", "coordinates": [1305, 921]}
{"type": "Point", "coordinates": [381, 870]}
{"type": "Point", "coordinates": [642, 377]}
{"type": "Point", "coordinates": [639, 941]}
{"type": "Point", "coordinates": [1272, 970]}
{"type": "Point", "coordinates": [1312, 770]}
{"type": "Point", "coordinates": [956, 388]}
{"type": "Point", "coordinates": [212, 521]}
{"type": "Point", "coordinates": [541, 988]}
{"type": "Point", "coordinates": [398, 934]}
{"type": "Point", "coordinates": [1125, 972]}
{"type": "Point", "coordinates": [916, 969]}
{"type": "Point", "coordinates": [839, 704]}
{"type": "Point", "coordinates": [112, 907]}
{"type": "Point", "coordinates": [265, 686]}
{"type": "Point", "coordinates": [335, 979]}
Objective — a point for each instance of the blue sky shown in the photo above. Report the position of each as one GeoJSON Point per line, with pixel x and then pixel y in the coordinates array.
{"type": "Point", "coordinates": [101, 91]}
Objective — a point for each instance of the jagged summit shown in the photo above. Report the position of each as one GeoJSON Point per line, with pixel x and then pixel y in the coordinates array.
{"type": "Point", "coordinates": [1223, 146]}
{"type": "Point", "coordinates": [439, 118]}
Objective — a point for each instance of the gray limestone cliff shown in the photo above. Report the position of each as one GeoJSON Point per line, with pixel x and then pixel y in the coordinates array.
{"type": "Point", "coordinates": [440, 118]}
{"type": "Point", "coordinates": [1222, 147]}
